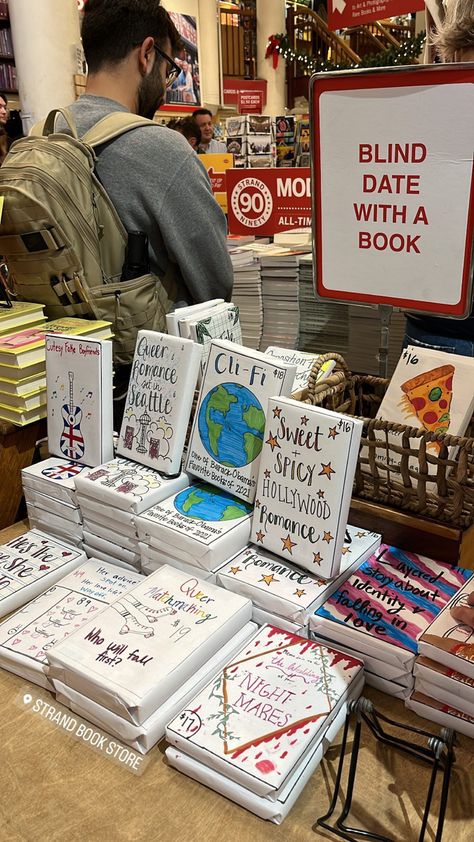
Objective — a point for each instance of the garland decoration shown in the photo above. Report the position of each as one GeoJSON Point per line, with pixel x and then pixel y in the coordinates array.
{"type": "Point", "coordinates": [280, 45]}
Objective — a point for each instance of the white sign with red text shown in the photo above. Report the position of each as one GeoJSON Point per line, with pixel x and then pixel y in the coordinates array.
{"type": "Point", "coordinates": [393, 186]}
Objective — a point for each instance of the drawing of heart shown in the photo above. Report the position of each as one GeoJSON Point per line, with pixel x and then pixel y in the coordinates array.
{"type": "Point", "coordinates": [16, 641]}
{"type": "Point", "coordinates": [44, 566]}
{"type": "Point", "coordinates": [65, 554]}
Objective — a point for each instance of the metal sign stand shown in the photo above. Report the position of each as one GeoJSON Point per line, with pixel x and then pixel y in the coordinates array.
{"type": "Point", "coordinates": [438, 753]}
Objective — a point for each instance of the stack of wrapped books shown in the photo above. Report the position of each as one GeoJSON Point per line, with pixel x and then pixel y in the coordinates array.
{"type": "Point", "coordinates": [50, 494]}
{"type": "Point", "coordinates": [284, 594]}
{"type": "Point", "coordinates": [258, 730]}
{"type": "Point", "coordinates": [200, 526]}
{"type": "Point", "coordinates": [23, 366]}
{"type": "Point", "coordinates": [110, 498]}
{"type": "Point", "coordinates": [29, 564]}
{"type": "Point", "coordinates": [381, 611]}
{"type": "Point", "coordinates": [28, 634]}
{"type": "Point", "coordinates": [444, 670]}
{"type": "Point", "coordinates": [132, 667]}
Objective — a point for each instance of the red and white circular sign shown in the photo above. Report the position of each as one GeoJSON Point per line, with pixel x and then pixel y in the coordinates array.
{"type": "Point", "coordinates": [252, 202]}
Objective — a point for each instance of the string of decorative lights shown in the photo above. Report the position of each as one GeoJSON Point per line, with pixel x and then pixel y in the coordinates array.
{"type": "Point", "coordinates": [279, 45]}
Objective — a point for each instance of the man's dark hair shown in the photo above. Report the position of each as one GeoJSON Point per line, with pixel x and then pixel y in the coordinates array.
{"type": "Point", "coordinates": [4, 97]}
{"type": "Point", "coordinates": [200, 112]}
{"type": "Point", "coordinates": [188, 128]}
{"type": "Point", "coordinates": [112, 28]}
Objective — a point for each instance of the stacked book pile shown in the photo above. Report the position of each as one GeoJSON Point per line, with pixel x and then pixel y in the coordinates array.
{"type": "Point", "coordinates": [381, 611]}
{"type": "Point", "coordinates": [23, 366]}
{"type": "Point", "coordinates": [134, 665]}
{"type": "Point", "coordinates": [279, 273]}
{"type": "Point", "coordinates": [259, 729]}
{"type": "Point", "coordinates": [25, 393]}
{"type": "Point", "coordinates": [444, 669]}
{"type": "Point", "coordinates": [29, 633]}
{"type": "Point", "coordinates": [50, 494]}
{"type": "Point", "coordinates": [110, 498]}
{"type": "Point", "coordinates": [284, 594]}
{"type": "Point", "coordinates": [31, 563]}
{"type": "Point", "coordinates": [365, 339]}
{"type": "Point", "coordinates": [196, 528]}
{"type": "Point", "coordinates": [247, 294]}
{"type": "Point", "coordinates": [323, 325]}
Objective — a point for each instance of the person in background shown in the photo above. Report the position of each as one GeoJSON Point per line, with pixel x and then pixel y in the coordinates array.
{"type": "Point", "coordinates": [189, 129]}
{"type": "Point", "coordinates": [454, 41]}
{"type": "Point", "coordinates": [153, 178]}
{"type": "Point", "coordinates": [3, 109]}
{"type": "Point", "coordinates": [203, 118]}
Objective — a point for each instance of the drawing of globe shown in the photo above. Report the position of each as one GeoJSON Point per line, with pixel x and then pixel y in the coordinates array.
{"type": "Point", "coordinates": [204, 502]}
{"type": "Point", "coordinates": [231, 425]}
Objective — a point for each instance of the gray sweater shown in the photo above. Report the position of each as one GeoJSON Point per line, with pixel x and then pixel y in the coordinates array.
{"type": "Point", "coordinates": [158, 185]}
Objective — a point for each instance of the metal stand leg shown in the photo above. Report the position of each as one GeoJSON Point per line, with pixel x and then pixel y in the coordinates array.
{"type": "Point", "coordinates": [439, 754]}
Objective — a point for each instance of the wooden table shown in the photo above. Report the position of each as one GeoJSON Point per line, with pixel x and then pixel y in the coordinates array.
{"type": "Point", "coordinates": [56, 789]}
{"type": "Point", "coordinates": [17, 447]}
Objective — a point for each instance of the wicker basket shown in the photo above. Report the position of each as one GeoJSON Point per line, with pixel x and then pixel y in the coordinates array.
{"type": "Point", "coordinates": [439, 487]}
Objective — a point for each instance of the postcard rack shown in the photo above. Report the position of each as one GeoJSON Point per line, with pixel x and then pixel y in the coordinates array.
{"type": "Point", "coordinates": [437, 753]}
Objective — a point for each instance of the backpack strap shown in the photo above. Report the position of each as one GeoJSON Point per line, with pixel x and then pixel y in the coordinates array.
{"type": "Point", "coordinates": [112, 126]}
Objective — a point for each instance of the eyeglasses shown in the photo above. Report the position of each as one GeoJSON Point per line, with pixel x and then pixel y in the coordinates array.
{"type": "Point", "coordinates": [172, 69]}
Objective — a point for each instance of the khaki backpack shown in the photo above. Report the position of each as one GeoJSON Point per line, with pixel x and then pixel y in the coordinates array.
{"type": "Point", "coordinates": [62, 238]}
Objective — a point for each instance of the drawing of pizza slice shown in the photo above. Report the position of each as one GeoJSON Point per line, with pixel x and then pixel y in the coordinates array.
{"type": "Point", "coordinates": [429, 396]}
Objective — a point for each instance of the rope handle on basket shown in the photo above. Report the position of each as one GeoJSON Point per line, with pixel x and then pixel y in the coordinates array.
{"type": "Point", "coordinates": [335, 383]}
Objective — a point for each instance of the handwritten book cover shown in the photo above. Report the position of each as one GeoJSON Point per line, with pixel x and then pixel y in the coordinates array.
{"type": "Point", "coordinates": [279, 586]}
{"type": "Point", "coordinates": [27, 635]}
{"type": "Point", "coordinates": [304, 487]}
{"type": "Point", "coordinates": [79, 389]}
{"type": "Point", "coordinates": [276, 807]}
{"type": "Point", "coordinates": [258, 717]}
{"type": "Point", "coordinates": [54, 477]}
{"type": "Point", "coordinates": [304, 362]}
{"type": "Point", "coordinates": [448, 641]}
{"type": "Point", "coordinates": [143, 647]}
{"type": "Point", "coordinates": [31, 563]}
{"type": "Point", "coordinates": [429, 390]}
{"type": "Point", "coordinates": [159, 400]}
{"type": "Point", "coordinates": [219, 324]}
{"type": "Point", "coordinates": [227, 434]}
{"type": "Point", "coordinates": [201, 525]}
{"type": "Point", "coordinates": [127, 485]}
{"type": "Point", "coordinates": [144, 736]}
{"type": "Point", "coordinates": [384, 607]}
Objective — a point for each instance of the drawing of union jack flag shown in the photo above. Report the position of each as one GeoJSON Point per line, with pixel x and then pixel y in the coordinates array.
{"type": "Point", "coordinates": [72, 440]}
{"type": "Point", "coordinates": [59, 472]}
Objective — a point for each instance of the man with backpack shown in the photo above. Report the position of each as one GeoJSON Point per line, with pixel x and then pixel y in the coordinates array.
{"type": "Point", "coordinates": [101, 173]}
{"type": "Point", "coordinates": [152, 177]}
